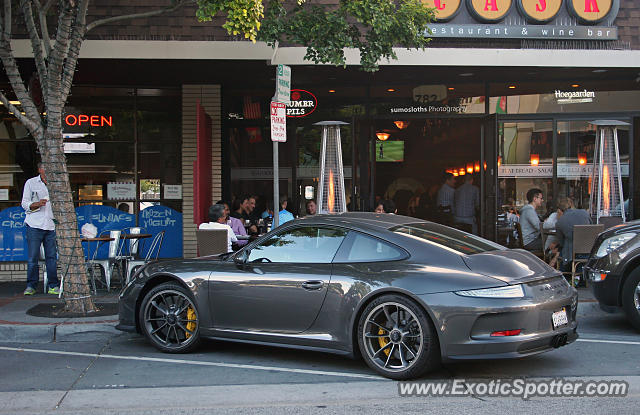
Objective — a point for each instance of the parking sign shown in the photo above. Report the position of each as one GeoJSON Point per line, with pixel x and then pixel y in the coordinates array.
{"type": "Point", "coordinates": [278, 122]}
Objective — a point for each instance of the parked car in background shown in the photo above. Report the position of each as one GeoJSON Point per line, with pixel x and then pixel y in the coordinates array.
{"type": "Point", "coordinates": [613, 269]}
{"type": "Point", "coordinates": [403, 293]}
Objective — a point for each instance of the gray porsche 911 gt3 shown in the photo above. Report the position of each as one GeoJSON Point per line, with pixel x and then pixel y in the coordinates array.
{"type": "Point", "coordinates": [403, 293]}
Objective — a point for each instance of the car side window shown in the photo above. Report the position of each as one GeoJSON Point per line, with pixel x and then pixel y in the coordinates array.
{"type": "Point", "coordinates": [307, 244]}
{"type": "Point", "coordinates": [364, 248]}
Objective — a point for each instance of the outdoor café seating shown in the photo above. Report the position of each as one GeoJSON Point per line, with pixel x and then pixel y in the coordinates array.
{"type": "Point", "coordinates": [211, 241]}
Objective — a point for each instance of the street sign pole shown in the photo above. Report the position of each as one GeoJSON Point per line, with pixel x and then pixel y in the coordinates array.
{"type": "Point", "coordinates": [279, 130]}
{"type": "Point", "coordinates": [276, 188]}
{"type": "Point", "coordinates": [278, 112]}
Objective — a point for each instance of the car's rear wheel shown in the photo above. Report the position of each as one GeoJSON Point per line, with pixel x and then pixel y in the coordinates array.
{"type": "Point", "coordinates": [631, 298]}
{"type": "Point", "coordinates": [397, 338]}
{"type": "Point", "coordinates": [169, 318]}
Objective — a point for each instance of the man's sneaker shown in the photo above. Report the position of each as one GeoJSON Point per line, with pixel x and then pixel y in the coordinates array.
{"type": "Point", "coordinates": [54, 290]}
{"type": "Point", "coordinates": [29, 291]}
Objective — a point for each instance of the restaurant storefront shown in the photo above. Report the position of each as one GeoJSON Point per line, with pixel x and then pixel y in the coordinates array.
{"type": "Point", "coordinates": [513, 110]}
{"type": "Point", "coordinates": [401, 138]}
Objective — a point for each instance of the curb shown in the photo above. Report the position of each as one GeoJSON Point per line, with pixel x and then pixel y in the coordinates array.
{"type": "Point", "coordinates": [58, 332]}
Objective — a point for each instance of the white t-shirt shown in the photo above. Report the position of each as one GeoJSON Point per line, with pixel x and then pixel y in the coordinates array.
{"type": "Point", "coordinates": [231, 236]}
{"type": "Point", "coordinates": [41, 218]}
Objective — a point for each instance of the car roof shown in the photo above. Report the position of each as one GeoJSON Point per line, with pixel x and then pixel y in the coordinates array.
{"type": "Point", "coordinates": [371, 220]}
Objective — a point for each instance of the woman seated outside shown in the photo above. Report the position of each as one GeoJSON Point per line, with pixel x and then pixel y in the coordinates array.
{"type": "Point", "coordinates": [552, 246]}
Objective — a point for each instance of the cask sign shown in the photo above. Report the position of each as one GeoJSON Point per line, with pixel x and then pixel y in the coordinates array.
{"type": "Point", "coordinates": [444, 9]}
{"type": "Point", "coordinates": [539, 11]}
{"type": "Point", "coordinates": [524, 19]}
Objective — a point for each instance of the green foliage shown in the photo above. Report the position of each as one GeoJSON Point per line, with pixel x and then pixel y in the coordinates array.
{"type": "Point", "coordinates": [242, 16]}
{"type": "Point", "coordinates": [373, 27]}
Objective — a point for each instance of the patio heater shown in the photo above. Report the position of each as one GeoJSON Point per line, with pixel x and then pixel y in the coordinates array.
{"type": "Point", "coordinates": [606, 198]}
{"type": "Point", "coordinates": [331, 192]}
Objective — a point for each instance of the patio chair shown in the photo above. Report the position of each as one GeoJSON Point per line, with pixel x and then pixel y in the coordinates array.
{"type": "Point", "coordinates": [152, 254]}
{"type": "Point", "coordinates": [583, 238]}
{"type": "Point", "coordinates": [211, 241]}
{"type": "Point", "coordinates": [113, 258]}
{"type": "Point", "coordinates": [134, 246]}
{"type": "Point", "coordinates": [520, 241]}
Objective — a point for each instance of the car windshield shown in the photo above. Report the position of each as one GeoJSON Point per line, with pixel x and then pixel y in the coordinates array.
{"type": "Point", "coordinates": [454, 239]}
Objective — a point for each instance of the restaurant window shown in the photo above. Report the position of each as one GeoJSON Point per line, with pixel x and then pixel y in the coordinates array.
{"type": "Point", "coordinates": [554, 97]}
{"type": "Point", "coordinates": [397, 100]}
{"type": "Point", "coordinates": [107, 132]}
{"type": "Point", "coordinates": [250, 149]}
{"type": "Point", "coordinates": [525, 161]}
{"type": "Point", "coordinates": [576, 146]}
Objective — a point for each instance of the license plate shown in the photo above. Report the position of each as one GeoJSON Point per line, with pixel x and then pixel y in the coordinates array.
{"type": "Point", "coordinates": [560, 318]}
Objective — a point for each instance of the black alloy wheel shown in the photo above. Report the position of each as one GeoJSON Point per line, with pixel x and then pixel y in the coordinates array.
{"type": "Point", "coordinates": [169, 318]}
{"type": "Point", "coordinates": [397, 338]}
{"type": "Point", "coordinates": [631, 298]}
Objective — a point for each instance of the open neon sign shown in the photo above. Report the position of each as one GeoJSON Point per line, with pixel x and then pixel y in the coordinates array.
{"type": "Point", "coordinates": [92, 120]}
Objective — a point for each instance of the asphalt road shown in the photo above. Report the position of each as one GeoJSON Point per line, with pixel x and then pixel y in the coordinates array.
{"type": "Point", "coordinates": [122, 373]}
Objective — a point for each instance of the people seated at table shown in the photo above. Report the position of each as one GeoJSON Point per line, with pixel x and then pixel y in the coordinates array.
{"type": "Point", "coordinates": [217, 220]}
{"type": "Point", "coordinates": [284, 215]}
{"type": "Point", "coordinates": [552, 246]}
{"type": "Point", "coordinates": [554, 211]}
{"type": "Point", "coordinates": [386, 206]}
{"type": "Point", "coordinates": [243, 209]}
{"type": "Point", "coordinates": [268, 211]}
{"type": "Point", "coordinates": [310, 207]}
{"type": "Point", "coordinates": [236, 224]}
{"type": "Point", "coordinates": [530, 222]}
{"type": "Point", "coordinates": [564, 230]}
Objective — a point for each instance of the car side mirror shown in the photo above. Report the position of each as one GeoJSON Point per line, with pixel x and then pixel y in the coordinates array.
{"type": "Point", "coordinates": [242, 258]}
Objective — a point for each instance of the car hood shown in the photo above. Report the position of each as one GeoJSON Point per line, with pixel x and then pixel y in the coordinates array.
{"type": "Point", "coordinates": [512, 266]}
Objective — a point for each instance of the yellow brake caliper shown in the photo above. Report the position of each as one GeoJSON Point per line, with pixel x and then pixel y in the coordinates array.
{"type": "Point", "coordinates": [383, 341]}
{"type": "Point", "coordinates": [191, 325]}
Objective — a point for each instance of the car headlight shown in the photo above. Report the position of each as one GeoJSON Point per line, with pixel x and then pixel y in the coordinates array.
{"type": "Point", "coordinates": [511, 291]}
{"type": "Point", "coordinates": [613, 243]}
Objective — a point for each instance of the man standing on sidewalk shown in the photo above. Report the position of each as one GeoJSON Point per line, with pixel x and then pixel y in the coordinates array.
{"type": "Point", "coordinates": [41, 230]}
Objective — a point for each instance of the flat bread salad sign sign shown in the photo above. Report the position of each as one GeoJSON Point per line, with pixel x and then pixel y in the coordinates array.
{"type": "Point", "coordinates": [302, 103]}
{"type": "Point", "coordinates": [524, 19]}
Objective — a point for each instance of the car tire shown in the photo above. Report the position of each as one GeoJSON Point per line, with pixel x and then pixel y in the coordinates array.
{"type": "Point", "coordinates": [631, 298]}
{"type": "Point", "coordinates": [397, 338]}
{"type": "Point", "coordinates": [169, 318]}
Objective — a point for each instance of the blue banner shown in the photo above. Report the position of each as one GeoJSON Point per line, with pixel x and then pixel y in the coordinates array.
{"type": "Point", "coordinates": [152, 220]}
{"type": "Point", "coordinates": [162, 218]}
{"type": "Point", "coordinates": [13, 235]}
{"type": "Point", "coordinates": [104, 218]}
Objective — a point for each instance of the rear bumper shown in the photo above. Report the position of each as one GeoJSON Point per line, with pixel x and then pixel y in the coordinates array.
{"type": "Point", "coordinates": [518, 347]}
{"type": "Point", "coordinates": [465, 329]}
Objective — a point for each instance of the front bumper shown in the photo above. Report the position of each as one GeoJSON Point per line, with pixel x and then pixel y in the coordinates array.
{"type": "Point", "coordinates": [605, 291]}
{"type": "Point", "coordinates": [127, 308]}
{"type": "Point", "coordinates": [464, 324]}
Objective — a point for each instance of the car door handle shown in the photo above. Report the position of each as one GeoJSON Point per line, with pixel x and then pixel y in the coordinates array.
{"type": "Point", "coordinates": [312, 285]}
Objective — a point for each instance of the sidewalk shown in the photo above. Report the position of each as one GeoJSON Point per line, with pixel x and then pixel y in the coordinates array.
{"type": "Point", "coordinates": [17, 324]}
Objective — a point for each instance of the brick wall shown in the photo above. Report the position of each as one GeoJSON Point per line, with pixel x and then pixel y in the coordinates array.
{"type": "Point", "coordinates": [183, 25]}
{"type": "Point", "coordinates": [13, 271]}
{"type": "Point", "coordinates": [210, 98]}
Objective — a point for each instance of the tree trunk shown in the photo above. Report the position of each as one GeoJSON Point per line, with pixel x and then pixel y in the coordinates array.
{"type": "Point", "coordinates": [77, 292]}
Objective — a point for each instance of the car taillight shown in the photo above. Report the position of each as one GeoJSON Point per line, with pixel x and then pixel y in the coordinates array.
{"type": "Point", "coordinates": [506, 333]}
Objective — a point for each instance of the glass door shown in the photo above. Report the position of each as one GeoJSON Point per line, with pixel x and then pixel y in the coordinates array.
{"type": "Point", "coordinates": [525, 155]}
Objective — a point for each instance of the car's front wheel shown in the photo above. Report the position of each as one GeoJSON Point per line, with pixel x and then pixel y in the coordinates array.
{"type": "Point", "coordinates": [169, 318]}
{"type": "Point", "coordinates": [631, 298]}
{"type": "Point", "coordinates": [397, 338]}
